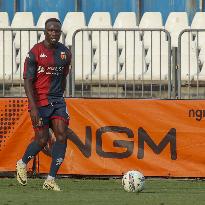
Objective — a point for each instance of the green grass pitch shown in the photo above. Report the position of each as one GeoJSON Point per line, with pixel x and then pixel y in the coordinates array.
{"type": "Point", "coordinates": [103, 192]}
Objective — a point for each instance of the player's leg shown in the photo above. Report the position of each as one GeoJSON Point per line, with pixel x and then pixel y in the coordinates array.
{"type": "Point", "coordinates": [59, 126]}
{"type": "Point", "coordinates": [51, 140]}
{"type": "Point", "coordinates": [41, 137]}
{"type": "Point", "coordinates": [32, 150]}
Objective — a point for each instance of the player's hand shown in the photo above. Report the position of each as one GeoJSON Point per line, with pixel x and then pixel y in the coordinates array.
{"type": "Point", "coordinates": [36, 120]}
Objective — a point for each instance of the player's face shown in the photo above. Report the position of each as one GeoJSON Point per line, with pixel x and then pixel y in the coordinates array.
{"type": "Point", "coordinates": [52, 32]}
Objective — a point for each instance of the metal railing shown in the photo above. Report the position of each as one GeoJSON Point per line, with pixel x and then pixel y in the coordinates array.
{"type": "Point", "coordinates": [115, 63]}
{"type": "Point", "coordinates": [14, 46]}
{"type": "Point", "coordinates": [191, 64]}
{"type": "Point", "coordinates": [121, 63]}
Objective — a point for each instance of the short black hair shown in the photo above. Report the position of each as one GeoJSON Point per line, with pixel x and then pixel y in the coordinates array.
{"type": "Point", "coordinates": [52, 20]}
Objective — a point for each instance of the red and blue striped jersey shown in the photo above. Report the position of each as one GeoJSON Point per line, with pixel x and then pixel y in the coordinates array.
{"type": "Point", "coordinates": [47, 68]}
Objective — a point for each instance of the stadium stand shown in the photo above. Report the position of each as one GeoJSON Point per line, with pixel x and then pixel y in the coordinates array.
{"type": "Point", "coordinates": [122, 52]}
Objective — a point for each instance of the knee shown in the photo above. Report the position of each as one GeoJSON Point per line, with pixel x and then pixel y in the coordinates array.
{"type": "Point", "coordinates": [42, 141]}
{"type": "Point", "coordinates": [62, 138]}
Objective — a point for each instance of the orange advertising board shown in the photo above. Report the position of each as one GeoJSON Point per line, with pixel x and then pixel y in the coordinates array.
{"type": "Point", "coordinates": [112, 136]}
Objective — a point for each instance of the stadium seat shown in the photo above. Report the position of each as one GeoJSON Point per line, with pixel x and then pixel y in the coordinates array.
{"type": "Point", "coordinates": [198, 23]}
{"type": "Point", "coordinates": [100, 20]}
{"type": "Point", "coordinates": [25, 17]}
{"type": "Point", "coordinates": [82, 56]}
{"type": "Point", "coordinates": [100, 45]}
{"type": "Point", "coordinates": [44, 16]}
{"type": "Point", "coordinates": [23, 40]}
{"type": "Point", "coordinates": [175, 24]}
{"type": "Point", "coordinates": [125, 20]}
{"type": "Point", "coordinates": [129, 47]}
{"type": "Point", "coordinates": [7, 66]}
{"type": "Point", "coordinates": [198, 39]}
{"type": "Point", "coordinates": [72, 22]}
{"type": "Point", "coordinates": [4, 20]}
{"type": "Point", "coordinates": [155, 47]}
{"type": "Point", "coordinates": [150, 20]}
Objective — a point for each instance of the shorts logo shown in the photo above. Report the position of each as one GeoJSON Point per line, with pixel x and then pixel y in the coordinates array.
{"type": "Point", "coordinates": [63, 55]}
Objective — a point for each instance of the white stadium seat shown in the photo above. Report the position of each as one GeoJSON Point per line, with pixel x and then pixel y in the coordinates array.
{"type": "Point", "coordinates": [125, 20]}
{"type": "Point", "coordinates": [130, 56]}
{"type": "Point", "coordinates": [44, 16]}
{"type": "Point", "coordinates": [100, 20]}
{"type": "Point", "coordinates": [175, 24]}
{"type": "Point", "coordinates": [198, 39]}
{"type": "Point", "coordinates": [156, 47]}
{"type": "Point", "coordinates": [24, 40]}
{"type": "Point", "coordinates": [25, 17]}
{"type": "Point", "coordinates": [7, 66]}
{"type": "Point", "coordinates": [150, 20]}
{"type": "Point", "coordinates": [72, 22]}
{"type": "Point", "coordinates": [82, 56]}
{"type": "Point", "coordinates": [198, 23]}
{"type": "Point", "coordinates": [100, 45]}
{"type": "Point", "coordinates": [4, 20]}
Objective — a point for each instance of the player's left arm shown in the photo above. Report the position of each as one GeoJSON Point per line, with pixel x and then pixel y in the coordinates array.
{"type": "Point", "coordinates": [67, 70]}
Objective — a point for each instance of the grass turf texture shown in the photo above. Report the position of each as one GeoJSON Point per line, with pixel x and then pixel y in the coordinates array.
{"type": "Point", "coordinates": [103, 192]}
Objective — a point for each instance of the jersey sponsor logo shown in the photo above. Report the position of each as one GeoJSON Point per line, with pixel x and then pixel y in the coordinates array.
{"type": "Point", "coordinates": [43, 55]}
{"type": "Point", "coordinates": [51, 70]}
{"type": "Point", "coordinates": [63, 55]}
{"type": "Point", "coordinates": [54, 70]}
{"type": "Point", "coordinates": [40, 69]}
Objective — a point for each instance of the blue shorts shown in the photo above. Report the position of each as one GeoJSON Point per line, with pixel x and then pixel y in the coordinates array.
{"type": "Point", "coordinates": [55, 110]}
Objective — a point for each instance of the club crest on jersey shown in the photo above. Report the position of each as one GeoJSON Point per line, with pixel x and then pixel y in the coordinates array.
{"type": "Point", "coordinates": [63, 55]}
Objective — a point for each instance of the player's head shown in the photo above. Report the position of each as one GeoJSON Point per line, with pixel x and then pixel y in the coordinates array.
{"type": "Point", "coordinates": [52, 31]}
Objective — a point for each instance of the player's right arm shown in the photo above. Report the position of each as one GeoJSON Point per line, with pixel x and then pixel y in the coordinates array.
{"type": "Point", "coordinates": [30, 69]}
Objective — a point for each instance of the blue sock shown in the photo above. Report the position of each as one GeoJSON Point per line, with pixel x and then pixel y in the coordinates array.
{"type": "Point", "coordinates": [58, 155]}
{"type": "Point", "coordinates": [32, 150]}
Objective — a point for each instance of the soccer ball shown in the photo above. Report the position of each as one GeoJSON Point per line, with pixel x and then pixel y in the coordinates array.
{"type": "Point", "coordinates": [133, 181]}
